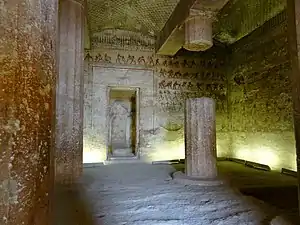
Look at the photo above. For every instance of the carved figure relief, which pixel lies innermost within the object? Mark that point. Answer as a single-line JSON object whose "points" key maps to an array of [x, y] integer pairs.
{"points": [[88, 57], [120, 59], [168, 67], [119, 125], [141, 60], [107, 59], [181, 78], [131, 59], [150, 61]]}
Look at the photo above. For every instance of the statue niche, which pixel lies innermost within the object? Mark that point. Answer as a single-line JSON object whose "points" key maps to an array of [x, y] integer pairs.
{"points": [[121, 127]]}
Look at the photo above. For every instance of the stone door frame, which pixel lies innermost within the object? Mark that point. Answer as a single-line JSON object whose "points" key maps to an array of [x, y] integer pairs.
{"points": [[137, 135]]}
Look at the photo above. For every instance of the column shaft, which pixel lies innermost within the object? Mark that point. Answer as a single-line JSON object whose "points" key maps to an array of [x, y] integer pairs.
{"points": [[200, 135], [69, 100], [293, 10], [27, 88]]}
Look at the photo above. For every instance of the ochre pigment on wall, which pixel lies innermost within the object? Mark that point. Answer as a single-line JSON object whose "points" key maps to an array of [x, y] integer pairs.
{"points": [[260, 97], [165, 84]]}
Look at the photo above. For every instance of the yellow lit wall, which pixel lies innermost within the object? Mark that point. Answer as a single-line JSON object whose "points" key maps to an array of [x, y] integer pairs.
{"points": [[158, 149], [93, 152], [275, 150], [260, 97]]}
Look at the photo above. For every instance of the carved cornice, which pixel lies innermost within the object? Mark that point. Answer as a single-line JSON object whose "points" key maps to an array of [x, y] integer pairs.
{"points": [[118, 39]]}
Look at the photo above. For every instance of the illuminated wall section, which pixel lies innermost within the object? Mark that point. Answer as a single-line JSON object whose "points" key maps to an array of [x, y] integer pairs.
{"points": [[260, 97], [274, 149], [173, 80]]}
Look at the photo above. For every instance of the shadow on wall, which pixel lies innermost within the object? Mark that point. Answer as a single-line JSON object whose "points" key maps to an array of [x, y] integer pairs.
{"points": [[70, 206]]}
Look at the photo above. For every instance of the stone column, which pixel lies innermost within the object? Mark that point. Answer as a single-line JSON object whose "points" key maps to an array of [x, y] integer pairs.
{"points": [[27, 88], [198, 30], [293, 12], [200, 138], [70, 91]]}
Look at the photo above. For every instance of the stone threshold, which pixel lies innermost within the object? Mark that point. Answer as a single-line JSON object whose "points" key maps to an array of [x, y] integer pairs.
{"points": [[122, 159]]}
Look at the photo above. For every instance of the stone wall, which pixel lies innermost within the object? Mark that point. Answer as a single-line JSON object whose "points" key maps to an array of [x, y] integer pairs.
{"points": [[260, 97], [165, 84]]}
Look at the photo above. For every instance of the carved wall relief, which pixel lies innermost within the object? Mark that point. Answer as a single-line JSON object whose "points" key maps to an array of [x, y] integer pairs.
{"points": [[120, 125], [175, 79], [181, 78], [206, 67]]}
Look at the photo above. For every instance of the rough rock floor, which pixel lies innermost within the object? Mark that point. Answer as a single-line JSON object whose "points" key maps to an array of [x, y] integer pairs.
{"points": [[142, 194]]}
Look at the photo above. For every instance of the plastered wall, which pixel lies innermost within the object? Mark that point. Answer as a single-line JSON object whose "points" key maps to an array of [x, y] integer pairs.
{"points": [[164, 82]]}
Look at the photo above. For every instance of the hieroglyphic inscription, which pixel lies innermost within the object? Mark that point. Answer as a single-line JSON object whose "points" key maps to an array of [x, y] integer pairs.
{"points": [[178, 80], [156, 62]]}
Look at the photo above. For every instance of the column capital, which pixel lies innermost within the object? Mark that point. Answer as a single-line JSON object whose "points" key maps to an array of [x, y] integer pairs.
{"points": [[198, 29]]}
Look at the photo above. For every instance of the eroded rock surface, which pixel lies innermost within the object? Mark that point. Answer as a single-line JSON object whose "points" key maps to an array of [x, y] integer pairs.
{"points": [[144, 194]]}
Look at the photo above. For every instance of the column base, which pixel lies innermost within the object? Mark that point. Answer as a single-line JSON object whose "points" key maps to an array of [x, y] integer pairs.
{"points": [[181, 178]]}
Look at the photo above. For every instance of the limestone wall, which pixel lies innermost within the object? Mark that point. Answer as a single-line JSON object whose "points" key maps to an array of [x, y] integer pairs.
{"points": [[260, 97], [164, 82]]}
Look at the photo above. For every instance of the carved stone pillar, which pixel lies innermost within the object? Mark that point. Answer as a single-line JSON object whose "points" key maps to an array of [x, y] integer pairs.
{"points": [[200, 122], [27, 88], [69, 100], [198, 30], [293, 12], [200, 144]]}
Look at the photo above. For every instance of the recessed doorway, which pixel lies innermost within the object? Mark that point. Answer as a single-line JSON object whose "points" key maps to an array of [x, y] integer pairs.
{"points": [[123, 122]]}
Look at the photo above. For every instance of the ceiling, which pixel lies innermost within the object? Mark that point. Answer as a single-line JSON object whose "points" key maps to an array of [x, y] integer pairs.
{"points": [[240, 17], [145, 16], [237, 19]]}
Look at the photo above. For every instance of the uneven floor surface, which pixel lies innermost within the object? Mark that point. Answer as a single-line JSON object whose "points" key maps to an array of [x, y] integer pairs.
{"points": [[142, 194]]}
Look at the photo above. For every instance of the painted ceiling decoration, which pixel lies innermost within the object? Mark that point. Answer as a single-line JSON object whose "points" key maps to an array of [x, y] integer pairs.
{"points": [[145, 16], [235, 20]]}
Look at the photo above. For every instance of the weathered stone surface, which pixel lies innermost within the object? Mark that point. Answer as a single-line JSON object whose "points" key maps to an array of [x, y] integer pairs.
{"points": [[147, 196], [239, 18], [200, 138], [198, 33], [181, 178], [69, 98], [260, 100], [173, 81], [138, 15], [279, 220], [104, 79], [293, 11], [27, 86], [170, 32]]}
